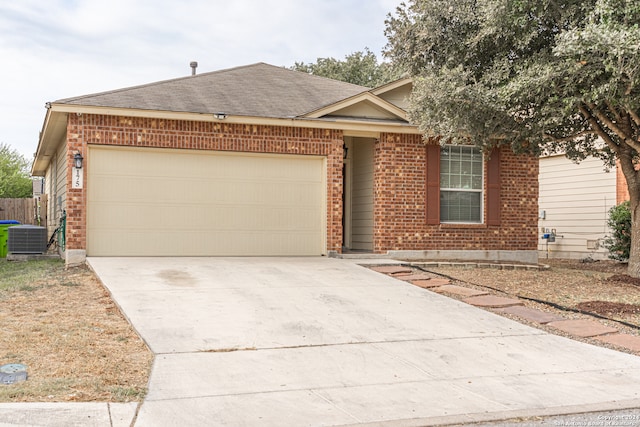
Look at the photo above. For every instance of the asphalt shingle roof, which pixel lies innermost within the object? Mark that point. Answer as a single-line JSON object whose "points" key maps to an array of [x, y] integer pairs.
{"points": [[259, 90]]}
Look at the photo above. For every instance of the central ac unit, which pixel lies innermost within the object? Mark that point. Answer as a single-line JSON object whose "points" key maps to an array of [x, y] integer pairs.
{"points": [[27, 239]]}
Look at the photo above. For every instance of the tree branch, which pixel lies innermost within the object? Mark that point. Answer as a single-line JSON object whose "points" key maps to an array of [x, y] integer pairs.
{"points": [[569, 138], [598, 129], [607, 122], [613, 110], [615, 128], [634, 116]]}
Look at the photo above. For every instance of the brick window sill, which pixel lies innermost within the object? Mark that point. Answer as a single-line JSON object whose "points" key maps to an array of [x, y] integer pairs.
{"points": [[449, 226]]}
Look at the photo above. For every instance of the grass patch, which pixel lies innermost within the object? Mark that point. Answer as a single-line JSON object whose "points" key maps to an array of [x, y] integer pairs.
{"points": [[128, 394], [70, 284], [28, 275], [43, 389], [62, 324]]}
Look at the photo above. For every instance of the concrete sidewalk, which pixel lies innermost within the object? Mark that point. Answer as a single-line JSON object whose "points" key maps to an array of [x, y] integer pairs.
{"points": [[326, 342], [67, 414]]}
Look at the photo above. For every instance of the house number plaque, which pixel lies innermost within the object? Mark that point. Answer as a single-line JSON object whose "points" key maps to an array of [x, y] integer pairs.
{"points": [[76, 178]]}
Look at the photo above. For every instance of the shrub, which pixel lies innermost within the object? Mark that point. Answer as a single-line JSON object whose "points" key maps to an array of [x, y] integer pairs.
{"points": [[619, 243]]}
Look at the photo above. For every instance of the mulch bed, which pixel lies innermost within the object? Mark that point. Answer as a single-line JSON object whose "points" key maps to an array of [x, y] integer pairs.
{"points": [[623, 278], [608, 308]]}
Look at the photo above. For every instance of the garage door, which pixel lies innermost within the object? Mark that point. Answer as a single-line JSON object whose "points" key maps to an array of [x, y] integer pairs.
{"points": [[148, 202]]}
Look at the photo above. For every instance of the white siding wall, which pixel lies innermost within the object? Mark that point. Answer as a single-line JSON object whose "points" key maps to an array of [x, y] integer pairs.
{"points": [[362, 195], [56, 186], [61, 182], [575, 199]]}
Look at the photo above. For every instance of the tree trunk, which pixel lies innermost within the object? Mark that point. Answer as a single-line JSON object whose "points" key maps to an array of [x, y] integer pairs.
{"points": [[633, 269], [632, 177], [622, 138]]}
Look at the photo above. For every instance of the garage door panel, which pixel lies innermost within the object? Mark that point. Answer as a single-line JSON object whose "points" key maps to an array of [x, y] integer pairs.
{"points": [[162, 190], [145, 202], [137, 217], [172, 243]]}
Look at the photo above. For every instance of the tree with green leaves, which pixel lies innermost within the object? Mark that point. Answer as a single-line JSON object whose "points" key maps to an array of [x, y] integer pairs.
{"points": [[537, 75], [360, 68], [14, 174], [619, 242]]}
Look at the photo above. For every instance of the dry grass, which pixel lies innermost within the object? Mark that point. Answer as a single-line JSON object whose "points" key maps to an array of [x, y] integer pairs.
{"points": [[76, 344]]}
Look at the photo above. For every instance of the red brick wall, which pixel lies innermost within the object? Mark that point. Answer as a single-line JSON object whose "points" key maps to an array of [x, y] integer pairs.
{"points": [[622, 191], [400, 203], [76, 199], [162, 133], [399, 179]]}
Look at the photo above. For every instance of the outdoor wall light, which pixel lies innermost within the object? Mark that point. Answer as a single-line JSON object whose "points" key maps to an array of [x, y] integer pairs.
{"points": [[77, 160], [220, 116], [345, 151]]}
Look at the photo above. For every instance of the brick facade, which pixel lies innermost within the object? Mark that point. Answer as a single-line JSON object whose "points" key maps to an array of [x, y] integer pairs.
{"points": [[88, 129], [400, 221], [399, 179]]}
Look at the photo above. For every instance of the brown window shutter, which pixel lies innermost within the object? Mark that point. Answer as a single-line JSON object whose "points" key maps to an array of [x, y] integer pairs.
{"points": [[433, 184], [493, 188]]}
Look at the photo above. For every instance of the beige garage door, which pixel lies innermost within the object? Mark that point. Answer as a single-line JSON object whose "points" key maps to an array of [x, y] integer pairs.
{"points": [[150, 202]]}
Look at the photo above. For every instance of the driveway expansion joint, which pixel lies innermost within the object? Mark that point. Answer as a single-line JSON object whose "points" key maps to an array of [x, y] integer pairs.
{"points": [[354, 343]]}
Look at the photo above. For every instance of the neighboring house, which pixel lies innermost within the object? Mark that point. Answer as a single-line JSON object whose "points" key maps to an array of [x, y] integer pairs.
{"points": [[574, 201], [264, 161]]}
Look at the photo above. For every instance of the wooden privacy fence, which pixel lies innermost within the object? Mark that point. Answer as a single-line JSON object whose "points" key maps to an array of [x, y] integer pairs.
{"points": [[27, 211]]}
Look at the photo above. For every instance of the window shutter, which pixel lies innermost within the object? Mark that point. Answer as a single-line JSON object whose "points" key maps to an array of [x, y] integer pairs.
{"points": [[433, 184], [493, 188]]}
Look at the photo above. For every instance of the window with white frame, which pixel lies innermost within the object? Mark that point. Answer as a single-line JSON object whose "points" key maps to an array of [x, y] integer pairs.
{"points": [[461, 184]]}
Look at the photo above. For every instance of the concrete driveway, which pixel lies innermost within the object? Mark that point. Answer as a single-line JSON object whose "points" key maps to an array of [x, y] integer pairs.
{"points": [[327, 342]]}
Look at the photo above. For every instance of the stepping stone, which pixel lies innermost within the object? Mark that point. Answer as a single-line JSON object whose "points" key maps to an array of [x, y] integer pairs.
{"points": [[430, 283], [631, 342], [582, 327], [459, 290], [530, 314], [492, 301], [416, 276], [392, 269]]}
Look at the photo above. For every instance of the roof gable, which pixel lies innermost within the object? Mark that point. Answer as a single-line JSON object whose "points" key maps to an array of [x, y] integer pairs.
{"points": [[396, 92], [364, 105]]}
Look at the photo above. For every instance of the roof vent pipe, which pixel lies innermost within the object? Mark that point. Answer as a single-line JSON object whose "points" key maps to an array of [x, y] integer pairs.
{"points": [[193, 65]]}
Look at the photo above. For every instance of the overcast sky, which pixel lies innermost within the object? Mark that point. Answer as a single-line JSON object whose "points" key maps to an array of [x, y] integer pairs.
{"points": [[55, 49]]}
